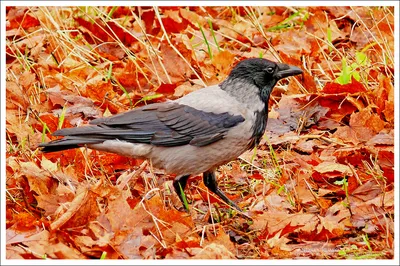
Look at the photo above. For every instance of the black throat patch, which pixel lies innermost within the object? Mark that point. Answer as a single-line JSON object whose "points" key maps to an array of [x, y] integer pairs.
{"points": [[258, 128]]}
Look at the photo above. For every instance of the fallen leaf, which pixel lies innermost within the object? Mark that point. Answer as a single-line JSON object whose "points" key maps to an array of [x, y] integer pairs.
{"points": [[214, 251], [97, 89], [367, 191], [334, 220], [335, 88], [80, 199], [39, 180], [327, 167]]}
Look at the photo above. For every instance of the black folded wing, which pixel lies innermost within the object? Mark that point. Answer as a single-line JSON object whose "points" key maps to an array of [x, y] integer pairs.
{"points": [[162, 124]]}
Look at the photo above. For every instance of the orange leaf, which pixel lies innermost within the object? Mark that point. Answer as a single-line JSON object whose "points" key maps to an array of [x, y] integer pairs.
{"points": [[97, 89]]}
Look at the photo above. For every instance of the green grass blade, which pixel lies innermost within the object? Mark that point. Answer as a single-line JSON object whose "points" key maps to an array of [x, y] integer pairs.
{"points": [[206, 42]]}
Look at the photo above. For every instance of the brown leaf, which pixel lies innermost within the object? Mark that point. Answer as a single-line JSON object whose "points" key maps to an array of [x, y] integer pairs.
{"points": [[180, 223], [272, 202], [27, 79], [293, 43], [280, 220], [334, 219], [306, 146], [214, 251], [362, 127], [312, 249], [303, 193], [36, 242], [16, 127], [14, 252], [295, 112], [177, 69], [368, 119], [192, 17], [62, 251], [80, 199], [331, 167], [185, 88], [367, 191], [16, 97], [279, 246], [39, 180], [368, 214], [356, 102], [221, 238], [52, 202], [382, 138], [122, 218]]}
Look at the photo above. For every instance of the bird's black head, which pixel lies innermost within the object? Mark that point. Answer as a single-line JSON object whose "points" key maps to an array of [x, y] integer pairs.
{"points": [[262, 73]]}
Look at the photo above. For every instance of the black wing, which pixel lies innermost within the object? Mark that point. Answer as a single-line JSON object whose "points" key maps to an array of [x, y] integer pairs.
{"points": [[162, 124]]}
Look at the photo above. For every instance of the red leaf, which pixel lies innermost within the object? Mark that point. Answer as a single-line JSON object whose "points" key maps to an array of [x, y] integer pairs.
{"points": [[166, 88], [172, 26], [22, 20], [386, 162], [148, 17], [94, 29], [122, 34], [256, 175], [353, 87]]}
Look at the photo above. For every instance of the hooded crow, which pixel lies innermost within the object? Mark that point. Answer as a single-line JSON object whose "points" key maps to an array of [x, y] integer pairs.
{"points": [[193, 134]]}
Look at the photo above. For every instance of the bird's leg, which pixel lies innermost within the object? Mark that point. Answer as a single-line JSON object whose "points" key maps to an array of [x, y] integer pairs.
{"points": [[179, 186], [211, 183]]}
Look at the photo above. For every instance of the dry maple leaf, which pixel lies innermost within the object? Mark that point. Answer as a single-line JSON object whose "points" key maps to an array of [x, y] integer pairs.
{"points": [[334, 220], [214, 251]]}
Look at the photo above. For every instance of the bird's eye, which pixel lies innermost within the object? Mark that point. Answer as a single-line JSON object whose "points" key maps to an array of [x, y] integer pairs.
{"points": [[270, 70]]}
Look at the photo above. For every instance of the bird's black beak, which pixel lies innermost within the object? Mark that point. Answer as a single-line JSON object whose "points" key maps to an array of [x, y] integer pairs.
{"points": [[285, 70]]}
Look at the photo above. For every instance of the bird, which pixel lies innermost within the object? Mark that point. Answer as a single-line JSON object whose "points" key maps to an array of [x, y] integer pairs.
{"points": [[191, 135]]}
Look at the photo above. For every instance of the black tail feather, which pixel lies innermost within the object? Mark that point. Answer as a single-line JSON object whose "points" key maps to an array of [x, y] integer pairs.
{"points": [[58, 148], [67, 143]]}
